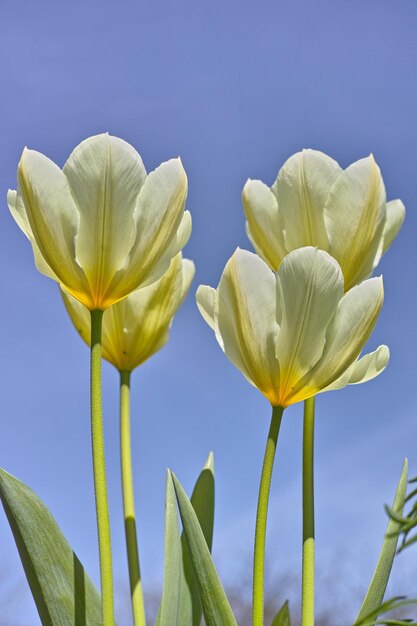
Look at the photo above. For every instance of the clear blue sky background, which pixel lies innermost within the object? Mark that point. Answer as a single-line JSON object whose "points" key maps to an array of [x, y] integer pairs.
{"points": [[234, 88]]}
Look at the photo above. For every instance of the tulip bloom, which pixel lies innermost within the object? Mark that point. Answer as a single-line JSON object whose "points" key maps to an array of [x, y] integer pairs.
{"points": [[138, 326], [101, 227], [314, 202], [295, 333], [133, 330]]}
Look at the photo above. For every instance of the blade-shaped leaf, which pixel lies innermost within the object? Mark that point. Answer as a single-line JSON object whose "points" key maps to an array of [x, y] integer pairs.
{"points": [[202, 500], [63, 593], [375, 595], [388, 606], [216, 608], [173, 576], [282, 618], [184, 609]]}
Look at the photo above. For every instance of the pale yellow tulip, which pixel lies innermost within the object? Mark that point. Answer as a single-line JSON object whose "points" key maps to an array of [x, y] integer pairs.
{"points": [[314, 202], [101, 227], [138, 326], [295, 333]]}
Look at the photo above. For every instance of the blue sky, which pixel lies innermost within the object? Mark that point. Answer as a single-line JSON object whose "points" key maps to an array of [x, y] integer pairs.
{"points": [[234, 88]]}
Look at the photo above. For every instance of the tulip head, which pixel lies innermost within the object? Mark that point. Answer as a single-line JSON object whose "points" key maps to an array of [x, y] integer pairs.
{"points": [[101, 226], [313, 202], [138, 326], [295, 333]]}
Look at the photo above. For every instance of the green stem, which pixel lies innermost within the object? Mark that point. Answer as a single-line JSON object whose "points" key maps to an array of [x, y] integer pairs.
{"points": [[99, 468], [261, 518], [307, 590], [136, 591]]}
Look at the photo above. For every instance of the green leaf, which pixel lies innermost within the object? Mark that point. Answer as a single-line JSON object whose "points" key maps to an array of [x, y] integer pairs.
{"points": [[63, 593], [388, 606], [282, 618], [375, 595], [216, 608], [180, 605], [173, 576], [202, 500]]}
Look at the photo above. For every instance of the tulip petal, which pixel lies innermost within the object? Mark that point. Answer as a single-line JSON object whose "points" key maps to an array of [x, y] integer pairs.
{"points": [[301, 190], [105, 175], [158, 215], [188, 273], [138, 326], [245, 319], [309, 289], [394, 219], [206, 302], [354, 219], [179, 240], [52, 215], [147, 316], [348, 332], [264, 223], [18, 211], [362, 370]]}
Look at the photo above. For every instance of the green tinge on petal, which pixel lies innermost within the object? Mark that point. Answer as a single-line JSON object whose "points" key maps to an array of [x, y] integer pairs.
{"points": [[264, 224], [149, 312], [105, 175], [52, 216], [158, 215], [206, 302], [137, 327], [309, 289], [18, 211], [179, 240], [188, 273], [363, 370], [245, 319], [348, 331], [301, 189], [394, 219], [354, 219]]}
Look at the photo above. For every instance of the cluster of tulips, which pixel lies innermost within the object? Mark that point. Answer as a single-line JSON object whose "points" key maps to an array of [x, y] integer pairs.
{"points": [[294, 317]]}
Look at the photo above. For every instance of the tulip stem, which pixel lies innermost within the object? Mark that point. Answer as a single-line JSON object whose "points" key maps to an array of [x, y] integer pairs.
{"points": [[307, 590], [261, 519], [136, 591], [99, 468]]}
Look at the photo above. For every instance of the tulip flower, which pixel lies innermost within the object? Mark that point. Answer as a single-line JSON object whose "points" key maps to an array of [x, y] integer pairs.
{"points": [[293, 334], [138, 326], [314, 202], [101, 227], [296, 333], [133, 330]]}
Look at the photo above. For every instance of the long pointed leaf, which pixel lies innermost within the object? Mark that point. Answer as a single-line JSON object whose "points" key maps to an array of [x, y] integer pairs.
{"points": [[375, 595], [63, 593], [168, 614], [202, 500], [216, 608], [282, 618], [184, 609]]}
